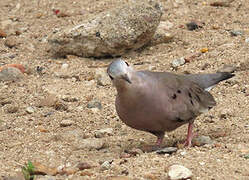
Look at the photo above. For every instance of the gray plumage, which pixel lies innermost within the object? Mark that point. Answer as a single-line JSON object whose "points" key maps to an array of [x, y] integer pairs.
{"points": [[161, 101]]}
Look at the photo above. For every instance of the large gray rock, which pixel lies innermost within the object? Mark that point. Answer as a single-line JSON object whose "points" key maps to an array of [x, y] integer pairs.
{"points": [[110, 33]]}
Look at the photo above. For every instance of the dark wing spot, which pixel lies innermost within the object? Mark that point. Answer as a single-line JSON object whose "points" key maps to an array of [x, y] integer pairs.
{"points": [[179, 119], [111, 77], [174, 96], [179, 91], [191, 102], [189, 94], [198, 97]]}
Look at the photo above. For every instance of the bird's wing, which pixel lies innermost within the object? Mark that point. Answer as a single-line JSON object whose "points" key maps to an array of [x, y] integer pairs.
{"points": [[185, 98]]}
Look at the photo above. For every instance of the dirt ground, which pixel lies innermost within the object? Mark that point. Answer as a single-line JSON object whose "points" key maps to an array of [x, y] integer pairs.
{"points": [[38, 136]]}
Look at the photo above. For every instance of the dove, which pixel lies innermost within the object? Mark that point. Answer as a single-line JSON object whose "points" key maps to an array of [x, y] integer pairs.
{"points": [[159, 102]]}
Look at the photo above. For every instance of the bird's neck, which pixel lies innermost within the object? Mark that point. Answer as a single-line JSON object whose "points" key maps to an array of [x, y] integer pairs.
{"points": [[121, 86]]}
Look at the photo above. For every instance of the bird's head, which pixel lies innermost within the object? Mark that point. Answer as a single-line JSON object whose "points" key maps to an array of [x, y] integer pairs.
{"points": [[119, 70]]}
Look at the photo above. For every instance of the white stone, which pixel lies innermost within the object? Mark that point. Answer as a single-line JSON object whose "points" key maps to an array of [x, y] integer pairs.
{"points": [[247, 40], [177, 172], [30, 110], [102, 132], [105, 165], [178, 62], [64, 66]]}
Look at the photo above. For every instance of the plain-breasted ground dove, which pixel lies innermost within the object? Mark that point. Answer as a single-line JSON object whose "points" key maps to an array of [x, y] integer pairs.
{"points": [[156, 102]]}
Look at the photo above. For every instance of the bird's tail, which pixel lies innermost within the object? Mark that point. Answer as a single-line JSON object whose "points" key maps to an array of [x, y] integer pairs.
{"points": [[207, 81]]}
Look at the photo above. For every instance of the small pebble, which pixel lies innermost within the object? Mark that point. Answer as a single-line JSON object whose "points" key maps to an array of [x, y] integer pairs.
{"points": [[94, 110], [11, 42], [10, 74], [40, 70], [49, 100], [221, 3], [84, 165], [167, 150], [247, 40], [134, 151], [179, 172], [246, 156], [89, 143], [65, 123], [103, 132], [11, 108], [125, 155], [86, 173], [202, 163], [2, 34], [42, 129], [17, 66], [94, 104], [64, 66], [183, 153], [193, 26], [105, 165], [44, 169], [236, 33], [70, 99], [192, 56], [204, 50], [178, 62], [202, 140], [30, 110]]}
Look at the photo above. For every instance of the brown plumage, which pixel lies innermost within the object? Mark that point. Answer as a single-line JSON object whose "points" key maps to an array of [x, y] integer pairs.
{"points": [[156, 102]]}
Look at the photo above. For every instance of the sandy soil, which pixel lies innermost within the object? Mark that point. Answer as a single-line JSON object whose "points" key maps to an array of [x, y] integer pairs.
{"points": [[39, 136]]}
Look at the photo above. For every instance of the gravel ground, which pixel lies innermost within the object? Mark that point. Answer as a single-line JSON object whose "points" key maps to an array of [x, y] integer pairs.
{"points": [[56, 133]]}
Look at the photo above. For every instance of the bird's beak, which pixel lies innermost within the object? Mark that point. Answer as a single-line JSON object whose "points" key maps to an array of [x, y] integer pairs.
{"points": [[125, 77]]}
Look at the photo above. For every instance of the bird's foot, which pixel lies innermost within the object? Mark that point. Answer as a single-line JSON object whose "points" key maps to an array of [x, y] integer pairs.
{"points": [[188, 141]]}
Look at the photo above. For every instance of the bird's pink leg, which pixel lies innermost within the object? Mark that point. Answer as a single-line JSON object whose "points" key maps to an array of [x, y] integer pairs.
{"points": [[190, 134], [159, 141], [157, 146]]}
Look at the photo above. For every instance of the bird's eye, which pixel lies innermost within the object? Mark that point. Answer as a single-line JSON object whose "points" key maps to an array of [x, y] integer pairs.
{"points": [[127, 63]]}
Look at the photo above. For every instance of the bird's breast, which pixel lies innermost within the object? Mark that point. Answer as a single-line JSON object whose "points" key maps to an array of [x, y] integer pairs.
{"points": [[143, 110]]}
